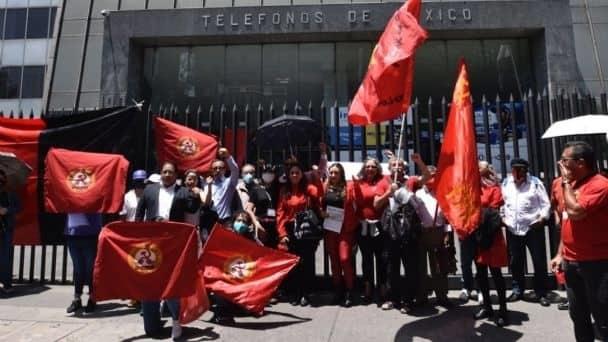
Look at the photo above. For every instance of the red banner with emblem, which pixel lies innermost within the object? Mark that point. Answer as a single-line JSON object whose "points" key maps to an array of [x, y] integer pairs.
{"points": [[188, 148], [146, 261], [84, 182], [244, 273], [458, 183]]}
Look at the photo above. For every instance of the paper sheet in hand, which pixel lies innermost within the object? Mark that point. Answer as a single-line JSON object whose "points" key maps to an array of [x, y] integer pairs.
{"points": [[334, 220]]}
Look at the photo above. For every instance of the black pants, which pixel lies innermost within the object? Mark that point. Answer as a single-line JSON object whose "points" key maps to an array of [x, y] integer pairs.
{"points": [[301, 280], [371, 248], [587, 289], [395, 254], [484, 285], [535, 241], [468, 250]]}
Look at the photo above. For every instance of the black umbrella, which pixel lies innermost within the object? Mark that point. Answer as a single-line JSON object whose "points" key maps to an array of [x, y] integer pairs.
{"points": [[16, 170], [287, 131]]}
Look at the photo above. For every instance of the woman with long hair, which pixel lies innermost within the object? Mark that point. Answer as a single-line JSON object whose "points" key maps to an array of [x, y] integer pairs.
{"points": [[372, 192], [495, 256], [297, 195]]}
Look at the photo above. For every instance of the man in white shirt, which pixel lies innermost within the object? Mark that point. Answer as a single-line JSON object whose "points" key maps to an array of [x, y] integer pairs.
{"points": [[524, 213], [223, 188], [129, 207]]}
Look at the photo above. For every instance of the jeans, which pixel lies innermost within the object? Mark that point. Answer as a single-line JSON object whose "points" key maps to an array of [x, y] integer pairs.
{"points": [[535, 241], [6, 257], [587, 290], [394, 254], [372, 247], [151, 314], [83, 250], [484, 285], [302, 278], [431, 245], [468, 250]]}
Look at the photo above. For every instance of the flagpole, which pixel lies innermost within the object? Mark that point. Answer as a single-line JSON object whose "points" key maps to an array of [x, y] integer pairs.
{"points": [[400, 143]]}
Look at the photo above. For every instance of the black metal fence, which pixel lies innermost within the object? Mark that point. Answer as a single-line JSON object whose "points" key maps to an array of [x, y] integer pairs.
{"points": [[505, 129]]}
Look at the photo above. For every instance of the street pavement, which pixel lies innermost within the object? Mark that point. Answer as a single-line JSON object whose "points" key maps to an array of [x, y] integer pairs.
{"points": [[37, 313]]}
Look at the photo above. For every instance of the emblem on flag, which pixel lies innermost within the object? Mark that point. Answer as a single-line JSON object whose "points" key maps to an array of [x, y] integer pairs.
{"points": [[239, 267], [80, 179], [187, 147], [145, 258]]}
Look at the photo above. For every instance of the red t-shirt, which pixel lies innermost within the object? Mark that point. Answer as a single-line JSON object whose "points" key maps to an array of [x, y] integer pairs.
{"points": [[294, 201], [491, 197], [587, 239], [365, 193]]}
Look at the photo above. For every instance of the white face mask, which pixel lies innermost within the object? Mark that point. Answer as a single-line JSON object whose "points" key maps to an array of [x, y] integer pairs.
{"points": [[268, 177]]}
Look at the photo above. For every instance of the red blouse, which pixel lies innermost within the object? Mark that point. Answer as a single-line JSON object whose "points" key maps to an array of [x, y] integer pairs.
{"points": [[294, 201], [365, 192], [491, 197]]}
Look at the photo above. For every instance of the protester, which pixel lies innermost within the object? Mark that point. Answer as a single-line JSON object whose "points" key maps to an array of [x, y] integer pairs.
{"points": [[192, 183], [166, 201], [223, 188], [583, 250], [491, 246], [297, 195], [132, 197], [557, 208], [401, 232], [9, 206], [435, 244], [526, 209], [81, 234], [339, 245], [372, 192]]}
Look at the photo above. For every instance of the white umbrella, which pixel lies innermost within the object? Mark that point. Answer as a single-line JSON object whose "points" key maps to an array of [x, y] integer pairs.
{"points": [[580, 125]]}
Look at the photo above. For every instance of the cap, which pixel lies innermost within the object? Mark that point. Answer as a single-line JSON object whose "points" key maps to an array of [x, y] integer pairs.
{"points": [[154, 178], [519, 162], [139, 175]]}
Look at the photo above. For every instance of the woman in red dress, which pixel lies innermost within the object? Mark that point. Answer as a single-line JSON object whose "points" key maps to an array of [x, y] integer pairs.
{"points": [[494, 257], [296, 196]]}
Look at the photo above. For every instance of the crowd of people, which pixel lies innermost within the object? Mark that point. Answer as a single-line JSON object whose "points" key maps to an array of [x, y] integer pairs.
{"points": [[393, 220]]}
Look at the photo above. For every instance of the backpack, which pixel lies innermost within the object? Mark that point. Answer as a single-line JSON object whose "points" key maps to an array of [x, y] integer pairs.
{"points": [[401, 223]]}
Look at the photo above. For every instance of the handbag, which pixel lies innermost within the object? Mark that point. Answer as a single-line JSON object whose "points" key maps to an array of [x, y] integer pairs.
{"points": [[307, 225]]}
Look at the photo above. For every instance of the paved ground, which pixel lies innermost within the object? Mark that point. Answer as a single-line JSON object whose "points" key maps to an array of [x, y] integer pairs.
{"points": [[38, 314]]}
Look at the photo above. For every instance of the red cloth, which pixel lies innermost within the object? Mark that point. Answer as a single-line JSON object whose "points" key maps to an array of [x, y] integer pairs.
{"points": [[340, 250], [458, 183], [294, 201], [192, 307], [586, 239], [351, 221], [240, 150], [491, 197], [188, 148], [386, 89], [557, 196], [21, 137], [496, 255], [245, 273], [365, 192], [146, 261], [83, 182]]}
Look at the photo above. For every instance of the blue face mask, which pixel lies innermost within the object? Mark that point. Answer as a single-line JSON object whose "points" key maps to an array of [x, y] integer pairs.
{"points": [[240, 227], [248, 178]]}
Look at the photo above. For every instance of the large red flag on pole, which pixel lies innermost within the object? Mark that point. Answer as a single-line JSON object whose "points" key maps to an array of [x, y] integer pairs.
{"points": [[188, 148], [242, 271], [458, 182], [387, 87]]}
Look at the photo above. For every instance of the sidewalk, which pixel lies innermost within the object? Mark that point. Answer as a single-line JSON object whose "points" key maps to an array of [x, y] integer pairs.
{"points": [[37, 313]]}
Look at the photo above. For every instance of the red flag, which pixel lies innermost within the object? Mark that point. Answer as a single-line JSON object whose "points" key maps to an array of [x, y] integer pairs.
{"points": [[145, 261], [458, 182], [387, 87], [20, 137], [188, 148], [192, 307], [84, 182], [242, 271]]}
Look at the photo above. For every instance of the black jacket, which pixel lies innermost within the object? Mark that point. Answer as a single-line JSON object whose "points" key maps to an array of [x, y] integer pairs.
{"points": [[183, 201]]}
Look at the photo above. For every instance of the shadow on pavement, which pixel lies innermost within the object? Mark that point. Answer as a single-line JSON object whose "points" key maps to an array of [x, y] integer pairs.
{"points": [[110, 310], [25, 290], [270, 325], [458, 324], [188, 334]]}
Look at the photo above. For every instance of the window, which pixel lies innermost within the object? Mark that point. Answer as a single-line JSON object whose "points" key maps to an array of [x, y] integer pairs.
{"points": [[52, 22], [15, 23], [10, 80], [2, 22], [38, 22], [33, 82]]}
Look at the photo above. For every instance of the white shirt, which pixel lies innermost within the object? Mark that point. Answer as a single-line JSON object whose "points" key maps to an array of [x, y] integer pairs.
{"points": [[524, 205], [165, 200], [426, 207], [129, 206]]}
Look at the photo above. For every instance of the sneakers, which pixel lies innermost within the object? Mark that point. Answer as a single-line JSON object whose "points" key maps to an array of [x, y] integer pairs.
{"points": [[348, 300], [480, 298], [464, 296], [544, 301], [473, 295], [304, 301], [387, 306], [176, 330], [76, 305]]}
